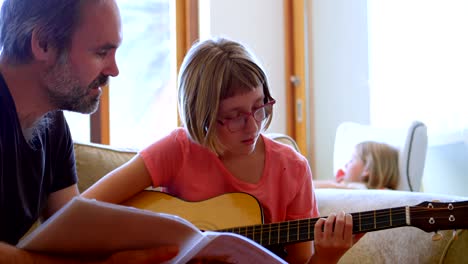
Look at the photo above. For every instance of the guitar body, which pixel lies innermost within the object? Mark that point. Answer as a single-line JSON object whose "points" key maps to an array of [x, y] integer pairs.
{"points": [[221, 212]]}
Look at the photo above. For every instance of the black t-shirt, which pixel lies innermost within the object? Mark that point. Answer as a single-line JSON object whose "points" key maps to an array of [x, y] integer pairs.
{"points": [[29, 172]]}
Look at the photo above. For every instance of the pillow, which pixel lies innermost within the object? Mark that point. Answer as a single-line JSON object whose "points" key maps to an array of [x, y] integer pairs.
{"points": [[93, 161]]}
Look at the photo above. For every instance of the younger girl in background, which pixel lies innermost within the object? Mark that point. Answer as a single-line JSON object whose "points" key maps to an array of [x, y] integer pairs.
{"points": [[373, 165]]}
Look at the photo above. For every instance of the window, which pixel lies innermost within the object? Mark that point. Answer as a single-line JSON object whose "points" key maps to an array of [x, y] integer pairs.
{"points": [[143, 98], [418, 65]]}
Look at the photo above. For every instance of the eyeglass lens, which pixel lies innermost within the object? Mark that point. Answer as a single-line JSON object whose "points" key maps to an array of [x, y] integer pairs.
{"points": [[259, 115]]}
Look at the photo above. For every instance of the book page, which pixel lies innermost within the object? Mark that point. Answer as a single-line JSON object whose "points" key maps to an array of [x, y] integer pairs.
{"points": [[232, 248], [87, 227]]}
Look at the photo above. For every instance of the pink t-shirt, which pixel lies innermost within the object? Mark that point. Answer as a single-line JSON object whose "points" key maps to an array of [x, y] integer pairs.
{"points": [[194, 173]]}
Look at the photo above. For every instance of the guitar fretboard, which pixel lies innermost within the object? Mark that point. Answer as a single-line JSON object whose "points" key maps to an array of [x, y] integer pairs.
{"points": [[303, 229]]}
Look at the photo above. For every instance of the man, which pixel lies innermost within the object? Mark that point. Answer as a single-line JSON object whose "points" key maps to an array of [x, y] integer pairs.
{"points": [[56, 54]]}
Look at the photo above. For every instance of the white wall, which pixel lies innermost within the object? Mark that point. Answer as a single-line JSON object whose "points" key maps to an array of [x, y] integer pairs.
{"points": [[259, 25], [339, 72], [446, 168]]}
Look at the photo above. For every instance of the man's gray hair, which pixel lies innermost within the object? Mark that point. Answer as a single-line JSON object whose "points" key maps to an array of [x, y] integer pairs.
{"points": [[54, 21]]}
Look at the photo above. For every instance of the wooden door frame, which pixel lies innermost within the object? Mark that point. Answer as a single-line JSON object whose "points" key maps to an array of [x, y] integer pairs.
{"points": [[289, 68], [298, 87], [299, 90]]}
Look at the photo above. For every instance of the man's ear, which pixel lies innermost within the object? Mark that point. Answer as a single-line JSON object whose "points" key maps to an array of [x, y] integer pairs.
{"points": [[41, 50]]}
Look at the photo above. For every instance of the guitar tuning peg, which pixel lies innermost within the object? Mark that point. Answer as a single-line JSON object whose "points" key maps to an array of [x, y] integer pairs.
{"points": [[435, 201], [454, 234], [437, 236]]}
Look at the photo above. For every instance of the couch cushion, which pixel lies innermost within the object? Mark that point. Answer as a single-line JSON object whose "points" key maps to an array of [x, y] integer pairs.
{"points": [[397, 245], [285, 139], [96, 160]]}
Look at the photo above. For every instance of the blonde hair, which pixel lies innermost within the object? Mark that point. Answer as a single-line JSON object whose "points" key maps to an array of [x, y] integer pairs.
{"points": [[214, 70], [381, 162]]}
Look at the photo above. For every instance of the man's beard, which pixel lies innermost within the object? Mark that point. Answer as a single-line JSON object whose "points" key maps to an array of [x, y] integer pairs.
{"points": [[65, 91]]}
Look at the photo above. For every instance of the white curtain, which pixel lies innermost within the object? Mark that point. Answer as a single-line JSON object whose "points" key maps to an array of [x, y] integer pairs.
{"points": [[418, 65]]}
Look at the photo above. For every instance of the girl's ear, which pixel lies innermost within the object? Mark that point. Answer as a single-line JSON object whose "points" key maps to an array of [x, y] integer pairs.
{"points": [[365, 176], [365, 172], [41, 50]]}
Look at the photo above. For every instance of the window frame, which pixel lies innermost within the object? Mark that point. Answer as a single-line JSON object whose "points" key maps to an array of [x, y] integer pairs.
{"points": [[187, 32]]}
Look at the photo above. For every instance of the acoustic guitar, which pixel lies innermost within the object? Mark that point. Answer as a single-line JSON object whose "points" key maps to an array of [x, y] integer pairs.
{"points": [[241, 213]]}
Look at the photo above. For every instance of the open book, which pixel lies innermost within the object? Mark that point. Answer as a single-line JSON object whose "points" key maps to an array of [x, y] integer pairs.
{"points": [[86, 227]]}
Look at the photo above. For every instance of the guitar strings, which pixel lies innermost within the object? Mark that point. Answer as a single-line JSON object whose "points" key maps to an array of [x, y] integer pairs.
{"points": [[370, 215], [364, 217], [385, 212], [305, 227], [398, 216]]}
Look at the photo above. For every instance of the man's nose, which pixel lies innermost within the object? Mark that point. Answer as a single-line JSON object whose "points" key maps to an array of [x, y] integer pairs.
{"points": [[112, 69]]}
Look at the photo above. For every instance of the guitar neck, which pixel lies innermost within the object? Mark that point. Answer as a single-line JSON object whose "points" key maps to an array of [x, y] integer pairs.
{"points": [[427, 216], [303, 229]]}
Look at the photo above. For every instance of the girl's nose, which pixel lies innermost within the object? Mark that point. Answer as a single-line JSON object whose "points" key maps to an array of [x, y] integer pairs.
{"points": [[251, 124]]}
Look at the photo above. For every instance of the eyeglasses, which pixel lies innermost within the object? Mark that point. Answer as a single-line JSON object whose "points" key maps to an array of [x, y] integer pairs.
{"points": [[238, 123]]}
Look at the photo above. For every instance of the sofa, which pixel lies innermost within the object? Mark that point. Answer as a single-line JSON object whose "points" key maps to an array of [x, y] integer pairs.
{"points": [[396, 245]]}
